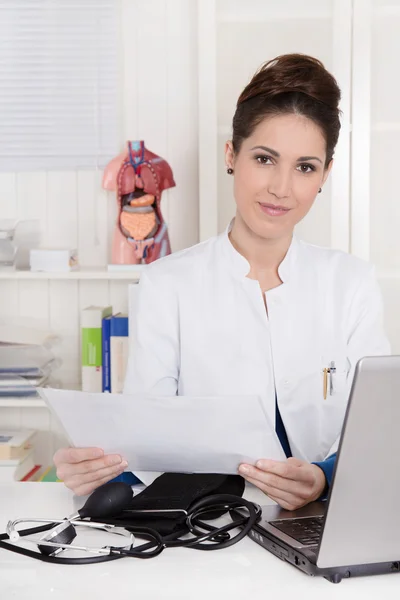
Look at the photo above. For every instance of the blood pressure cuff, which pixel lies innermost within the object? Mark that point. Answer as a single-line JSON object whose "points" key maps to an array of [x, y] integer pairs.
{"points": [[164, 504]]}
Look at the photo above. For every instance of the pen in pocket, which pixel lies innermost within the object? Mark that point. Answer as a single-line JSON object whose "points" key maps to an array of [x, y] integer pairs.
{"points": [[328, 374]]}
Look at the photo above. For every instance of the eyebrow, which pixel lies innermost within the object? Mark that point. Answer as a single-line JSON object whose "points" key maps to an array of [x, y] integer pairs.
{"points": [[277, 155]]}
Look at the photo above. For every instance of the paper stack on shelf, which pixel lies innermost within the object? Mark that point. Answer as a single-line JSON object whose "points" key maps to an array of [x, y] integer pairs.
{"points": [[27, 358], [17, 461]]}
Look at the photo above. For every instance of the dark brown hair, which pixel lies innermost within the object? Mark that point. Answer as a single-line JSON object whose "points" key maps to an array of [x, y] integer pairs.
{"points": [[291, 83]]}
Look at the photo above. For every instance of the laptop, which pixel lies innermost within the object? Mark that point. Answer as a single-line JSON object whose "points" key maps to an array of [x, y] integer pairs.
{"points": [[357, 530]]}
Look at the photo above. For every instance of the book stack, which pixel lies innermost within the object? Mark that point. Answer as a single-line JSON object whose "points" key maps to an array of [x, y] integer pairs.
{"points": [[49, 475], [105, 345], [17, 456], [27, 358]]}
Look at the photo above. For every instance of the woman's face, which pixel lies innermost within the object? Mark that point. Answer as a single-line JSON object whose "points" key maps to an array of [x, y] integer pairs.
{"points": [[277, 174]]}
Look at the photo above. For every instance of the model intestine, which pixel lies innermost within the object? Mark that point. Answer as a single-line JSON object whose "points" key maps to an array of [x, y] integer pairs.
{"points": [[139, 177]]}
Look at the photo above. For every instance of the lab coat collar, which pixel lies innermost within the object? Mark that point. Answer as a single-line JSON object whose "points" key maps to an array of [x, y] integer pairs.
{"points": [[241, 267]]}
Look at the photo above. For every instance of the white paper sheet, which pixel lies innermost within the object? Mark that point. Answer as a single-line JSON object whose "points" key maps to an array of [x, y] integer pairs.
{"points": [[168, 434]]}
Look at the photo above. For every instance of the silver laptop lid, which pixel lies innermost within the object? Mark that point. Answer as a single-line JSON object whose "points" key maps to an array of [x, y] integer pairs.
{"points": [[362, 524]]}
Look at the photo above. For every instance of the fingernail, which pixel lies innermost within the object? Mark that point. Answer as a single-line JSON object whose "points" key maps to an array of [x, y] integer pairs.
{"points": [[244, 469], [116, 460], [124, 464]]}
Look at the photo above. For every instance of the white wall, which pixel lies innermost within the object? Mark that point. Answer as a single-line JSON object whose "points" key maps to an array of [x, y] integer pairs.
{"points": [[158, 103]]}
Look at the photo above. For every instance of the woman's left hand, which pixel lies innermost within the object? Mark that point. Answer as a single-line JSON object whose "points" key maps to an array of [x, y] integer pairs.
{"points": [[292, 483]]}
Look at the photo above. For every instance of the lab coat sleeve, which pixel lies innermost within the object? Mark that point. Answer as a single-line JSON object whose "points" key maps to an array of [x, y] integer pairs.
{"points": [[327, 466], [366, 335], [153, 363]]}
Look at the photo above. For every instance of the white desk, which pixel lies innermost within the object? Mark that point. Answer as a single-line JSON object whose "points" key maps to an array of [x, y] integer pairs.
{"points": [[243, 571]]}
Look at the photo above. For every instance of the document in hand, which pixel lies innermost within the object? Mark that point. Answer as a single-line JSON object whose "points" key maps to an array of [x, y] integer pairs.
{"points": [[168, 434]]}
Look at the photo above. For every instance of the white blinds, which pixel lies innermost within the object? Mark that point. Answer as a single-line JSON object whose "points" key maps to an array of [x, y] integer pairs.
{"points": [[58, 83]]}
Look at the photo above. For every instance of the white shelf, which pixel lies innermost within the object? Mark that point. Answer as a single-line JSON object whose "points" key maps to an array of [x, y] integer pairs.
{"points": [[133, 276], [21, 402], [80, 274]]}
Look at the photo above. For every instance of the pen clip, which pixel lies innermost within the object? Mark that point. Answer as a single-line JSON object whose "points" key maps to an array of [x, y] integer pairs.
{"points": [[332, 370], [328, 372]]}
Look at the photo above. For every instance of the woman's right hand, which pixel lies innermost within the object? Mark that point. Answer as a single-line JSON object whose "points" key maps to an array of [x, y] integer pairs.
{"points": [[85, 469]]}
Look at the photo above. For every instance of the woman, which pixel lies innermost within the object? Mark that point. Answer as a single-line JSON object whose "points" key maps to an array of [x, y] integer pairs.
{"points": [[254, 310]]}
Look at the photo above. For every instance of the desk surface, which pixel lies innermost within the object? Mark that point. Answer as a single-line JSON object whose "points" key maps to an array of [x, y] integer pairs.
{"points": [[242, 571]]}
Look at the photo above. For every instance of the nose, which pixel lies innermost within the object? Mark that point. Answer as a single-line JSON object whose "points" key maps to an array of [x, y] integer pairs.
{"points": [[280, 184]]}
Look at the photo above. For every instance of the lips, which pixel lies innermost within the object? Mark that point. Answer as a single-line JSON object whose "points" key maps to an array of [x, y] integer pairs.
{"points": [[274, 210]]}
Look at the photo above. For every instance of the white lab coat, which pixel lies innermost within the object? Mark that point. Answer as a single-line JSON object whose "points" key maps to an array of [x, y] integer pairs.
{"points": [[200, 328]]}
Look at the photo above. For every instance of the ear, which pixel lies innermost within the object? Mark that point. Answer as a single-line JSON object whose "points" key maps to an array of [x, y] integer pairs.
{"points": [[229, 154], [327, 171]]}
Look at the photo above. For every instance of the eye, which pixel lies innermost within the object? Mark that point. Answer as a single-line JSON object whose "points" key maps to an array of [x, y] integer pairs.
{"points": [[263, 159], [306, 168]]}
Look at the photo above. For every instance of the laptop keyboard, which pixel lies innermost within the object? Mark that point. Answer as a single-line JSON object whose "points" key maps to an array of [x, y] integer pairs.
{"points": [[307, 530]]}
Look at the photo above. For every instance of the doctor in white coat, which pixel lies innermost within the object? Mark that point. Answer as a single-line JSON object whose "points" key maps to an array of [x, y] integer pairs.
{"points": [[255, 310]]}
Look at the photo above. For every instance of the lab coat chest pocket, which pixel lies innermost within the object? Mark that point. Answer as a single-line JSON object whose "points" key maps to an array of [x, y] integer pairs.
{"points": [[320, 398], [335, 375], [323, 376]]}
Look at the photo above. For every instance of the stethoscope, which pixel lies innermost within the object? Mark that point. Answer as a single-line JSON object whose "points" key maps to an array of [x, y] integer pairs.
{"points": [[111, 499], [61, 536]]}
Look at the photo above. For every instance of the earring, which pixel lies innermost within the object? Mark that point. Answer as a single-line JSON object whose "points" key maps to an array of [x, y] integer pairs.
{"points": [[320, 190], [229, 171]]}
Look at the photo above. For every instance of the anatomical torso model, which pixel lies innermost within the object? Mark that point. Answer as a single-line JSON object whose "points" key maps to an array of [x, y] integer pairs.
{"points": [[139, 177]]}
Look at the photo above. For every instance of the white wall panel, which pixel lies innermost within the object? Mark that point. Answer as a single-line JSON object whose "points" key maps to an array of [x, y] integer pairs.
{"points": [[93, 293], [64, 319], [118, 296], [92, 219], [361, 129], [33, 300], [181, 120], [31, 192], [9, 298], [62, 213], [39, 419], [8, 196], [391, 297]]}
